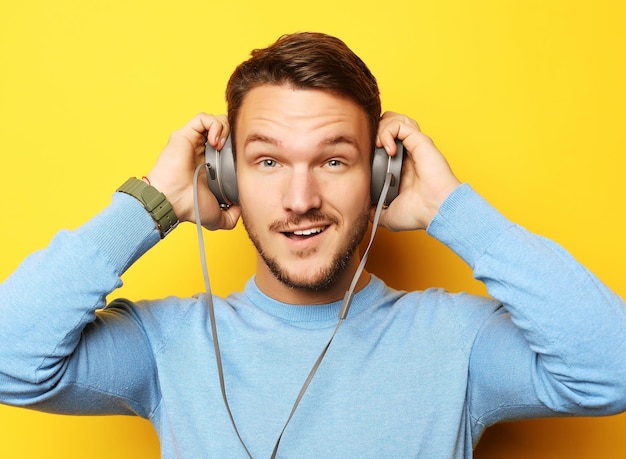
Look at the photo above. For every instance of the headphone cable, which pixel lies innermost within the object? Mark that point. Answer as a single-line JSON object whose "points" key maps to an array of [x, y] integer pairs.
{"points": [[343, 311]]}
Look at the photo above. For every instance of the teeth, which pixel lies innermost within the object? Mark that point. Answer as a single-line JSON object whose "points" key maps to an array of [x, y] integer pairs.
{"points": [[308, 232]]}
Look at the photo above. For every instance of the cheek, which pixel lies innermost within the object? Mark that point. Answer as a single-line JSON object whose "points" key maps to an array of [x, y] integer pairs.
{"points": [[251, 192], [352, 195], [258, 205], [351, 192]]}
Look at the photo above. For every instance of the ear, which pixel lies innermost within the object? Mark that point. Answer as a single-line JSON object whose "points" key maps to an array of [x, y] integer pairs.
{"points": [[381, 164], [221, 174]]}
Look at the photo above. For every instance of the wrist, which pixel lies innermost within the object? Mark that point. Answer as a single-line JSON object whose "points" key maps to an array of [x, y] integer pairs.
{"points": [[155, 203], [440, 196]]}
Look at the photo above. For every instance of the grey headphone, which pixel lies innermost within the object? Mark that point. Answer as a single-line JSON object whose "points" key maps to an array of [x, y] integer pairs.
{"points": [[222, 176]]}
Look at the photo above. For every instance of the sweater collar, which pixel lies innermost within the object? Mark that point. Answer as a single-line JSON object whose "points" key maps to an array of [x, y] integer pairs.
{"points": [[313, 313]]}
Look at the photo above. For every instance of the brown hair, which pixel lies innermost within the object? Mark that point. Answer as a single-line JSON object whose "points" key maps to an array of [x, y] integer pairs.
{"points": [[307, 60]]}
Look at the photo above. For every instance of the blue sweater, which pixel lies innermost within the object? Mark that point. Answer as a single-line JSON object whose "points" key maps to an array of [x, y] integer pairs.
{"points": [[409, 374]]}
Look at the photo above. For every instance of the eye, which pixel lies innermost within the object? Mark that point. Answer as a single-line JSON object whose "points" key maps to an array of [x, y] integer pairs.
{"points": [[269, 163], [334, 163]]}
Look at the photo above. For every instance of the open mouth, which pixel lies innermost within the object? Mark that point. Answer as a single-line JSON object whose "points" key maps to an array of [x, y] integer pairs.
{"points": [[305, 234]]}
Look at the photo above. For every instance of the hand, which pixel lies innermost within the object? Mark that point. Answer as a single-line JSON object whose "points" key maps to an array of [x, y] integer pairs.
{"points": [[426, 181], [173, 172]]}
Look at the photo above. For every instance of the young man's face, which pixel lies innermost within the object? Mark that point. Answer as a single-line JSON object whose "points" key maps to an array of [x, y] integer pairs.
{"points": [[303, 168]]}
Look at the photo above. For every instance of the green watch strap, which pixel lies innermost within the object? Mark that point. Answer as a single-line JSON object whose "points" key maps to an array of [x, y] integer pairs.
{"points": [[154, 202]]}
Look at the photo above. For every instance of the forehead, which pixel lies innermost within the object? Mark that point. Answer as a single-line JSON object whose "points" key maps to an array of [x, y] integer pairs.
{"points": [[284, 111]]}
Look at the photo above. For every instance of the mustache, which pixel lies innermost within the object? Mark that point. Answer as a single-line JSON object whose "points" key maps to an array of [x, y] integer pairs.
{"points": [[312, 216]]}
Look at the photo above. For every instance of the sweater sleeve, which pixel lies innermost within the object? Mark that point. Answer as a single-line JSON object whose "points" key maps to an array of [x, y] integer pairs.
{"points": [[56, 354], [558, 345]]}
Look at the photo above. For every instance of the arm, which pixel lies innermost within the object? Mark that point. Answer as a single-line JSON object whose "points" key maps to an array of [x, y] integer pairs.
{"points": [[560, 345], [51, 299], [55, 344]]}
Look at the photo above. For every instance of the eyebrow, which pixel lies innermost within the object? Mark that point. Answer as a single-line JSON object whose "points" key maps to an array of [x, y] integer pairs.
{"points": [[340, 139], [262, 139]]}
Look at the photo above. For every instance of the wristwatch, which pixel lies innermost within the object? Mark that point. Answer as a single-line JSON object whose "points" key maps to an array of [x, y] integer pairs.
{"points": [[154, 202]]}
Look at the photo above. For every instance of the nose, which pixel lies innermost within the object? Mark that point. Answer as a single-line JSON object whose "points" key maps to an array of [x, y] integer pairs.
{"points": [[302, 191]]}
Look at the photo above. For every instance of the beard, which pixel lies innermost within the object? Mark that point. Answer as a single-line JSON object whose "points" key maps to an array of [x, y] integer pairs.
{"points": [[327, 275]]}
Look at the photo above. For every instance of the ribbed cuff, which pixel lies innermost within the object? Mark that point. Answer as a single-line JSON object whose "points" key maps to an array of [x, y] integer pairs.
{"points": [[123, 231], [467, 224]]}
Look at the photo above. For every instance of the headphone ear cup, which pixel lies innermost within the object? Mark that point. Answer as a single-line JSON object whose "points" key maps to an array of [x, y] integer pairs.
{"points": [[381, 162], [221, 173]]}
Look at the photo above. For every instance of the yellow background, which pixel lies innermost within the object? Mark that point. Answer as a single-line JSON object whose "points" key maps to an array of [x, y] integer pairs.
{"points": [[526, 98]]}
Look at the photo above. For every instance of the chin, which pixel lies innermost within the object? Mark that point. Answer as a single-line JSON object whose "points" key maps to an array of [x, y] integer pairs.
{"points": [[322, 279], [312, 283]]}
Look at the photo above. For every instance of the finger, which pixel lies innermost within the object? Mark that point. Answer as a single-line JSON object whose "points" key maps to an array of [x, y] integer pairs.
{"points": [[396, 126], [224, 219], [231, 216], [218, 131], [389, 130], [213, 128]]}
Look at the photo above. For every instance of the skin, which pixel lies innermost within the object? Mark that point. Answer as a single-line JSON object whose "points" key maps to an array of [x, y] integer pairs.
{"points": [[303, 166]]}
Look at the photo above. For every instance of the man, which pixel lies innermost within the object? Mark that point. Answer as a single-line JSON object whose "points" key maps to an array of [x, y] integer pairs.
{"points": [[419, 374]]}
